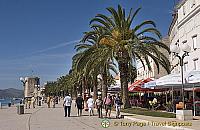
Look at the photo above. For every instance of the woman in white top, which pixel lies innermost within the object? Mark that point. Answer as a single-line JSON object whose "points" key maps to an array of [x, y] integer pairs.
{"points": [[90, 103]]}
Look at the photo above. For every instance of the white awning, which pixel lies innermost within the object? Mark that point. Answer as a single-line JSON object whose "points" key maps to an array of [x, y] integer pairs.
{"points": [[193, 77], [171, 79], [150, 84]]}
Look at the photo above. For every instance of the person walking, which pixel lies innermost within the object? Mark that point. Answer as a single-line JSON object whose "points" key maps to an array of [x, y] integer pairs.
{"points": [[67, 105], [79, 104], [118, 104], [48, 101], [33, 101], [90, 103], [54, 101], [29, 102], [99, 104], [108, 105]]}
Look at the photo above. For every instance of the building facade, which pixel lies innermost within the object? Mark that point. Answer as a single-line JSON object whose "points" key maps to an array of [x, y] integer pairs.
{"points": [[31, 86], [185, 29]]}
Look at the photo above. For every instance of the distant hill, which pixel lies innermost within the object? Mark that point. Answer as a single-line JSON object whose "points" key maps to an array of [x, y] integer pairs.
{"points": [[11, 92]]}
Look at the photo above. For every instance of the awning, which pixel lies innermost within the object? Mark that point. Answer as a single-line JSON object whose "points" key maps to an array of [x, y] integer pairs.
{"points": [[169, 80], [137, 85], [139, 89], [191, 89], [150, 84], [193, 77], [147, 80]]}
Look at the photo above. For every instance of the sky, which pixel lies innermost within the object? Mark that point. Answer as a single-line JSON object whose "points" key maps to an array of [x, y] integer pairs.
{"points": [[37, 37]]}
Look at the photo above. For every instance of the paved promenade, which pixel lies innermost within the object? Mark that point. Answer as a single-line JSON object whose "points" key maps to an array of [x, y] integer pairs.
{"points": [[43, 118]]}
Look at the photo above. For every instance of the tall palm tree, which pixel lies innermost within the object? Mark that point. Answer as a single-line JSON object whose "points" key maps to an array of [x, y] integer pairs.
{"points": [[130, 43], [95, 59]]}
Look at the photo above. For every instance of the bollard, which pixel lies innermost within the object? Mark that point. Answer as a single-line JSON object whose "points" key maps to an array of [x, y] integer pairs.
{"points": [[39, 103], [20, 109], [9, 104]]}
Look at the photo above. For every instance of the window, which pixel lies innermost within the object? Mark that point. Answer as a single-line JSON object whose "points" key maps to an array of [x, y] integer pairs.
{"points": [[177, 43], [185, 41], [194, 42], [195, 63], [193, 3], [183, 10], [185, 66]]}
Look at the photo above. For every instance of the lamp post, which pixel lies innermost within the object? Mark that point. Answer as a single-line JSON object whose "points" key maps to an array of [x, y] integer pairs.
{"points": [[176, 50], [23, 80]]}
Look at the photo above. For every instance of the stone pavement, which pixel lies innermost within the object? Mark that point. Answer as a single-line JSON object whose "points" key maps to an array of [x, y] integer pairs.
{"points": [[10, 120], [43, 118]]}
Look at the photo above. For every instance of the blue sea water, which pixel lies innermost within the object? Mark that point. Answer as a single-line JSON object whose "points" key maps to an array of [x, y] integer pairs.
{"points": [[4, 102]]}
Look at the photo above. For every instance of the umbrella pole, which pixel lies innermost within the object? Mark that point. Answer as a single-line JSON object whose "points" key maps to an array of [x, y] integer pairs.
{"points": [[193, 99], [166, 97], [172, 93], [174, 107]]}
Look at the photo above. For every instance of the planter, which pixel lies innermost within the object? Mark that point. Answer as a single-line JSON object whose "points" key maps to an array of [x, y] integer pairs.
{"points": [[184, 115]]}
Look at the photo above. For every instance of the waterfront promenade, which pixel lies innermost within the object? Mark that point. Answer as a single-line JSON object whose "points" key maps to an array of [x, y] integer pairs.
{"points": [[43, 118]]}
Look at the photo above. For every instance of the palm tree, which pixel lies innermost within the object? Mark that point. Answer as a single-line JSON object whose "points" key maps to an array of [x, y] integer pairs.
{"points": [[130, 43], [95, 59]]}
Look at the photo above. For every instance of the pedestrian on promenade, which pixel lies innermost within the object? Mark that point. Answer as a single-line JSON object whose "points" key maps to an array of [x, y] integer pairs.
{"points": [[108, 105], [99, 104], [29, 103], [33, 101], [26, 102], [79, 104], [48, 101], [67, 105], [118, 104], [90, 103], [54, 101]]}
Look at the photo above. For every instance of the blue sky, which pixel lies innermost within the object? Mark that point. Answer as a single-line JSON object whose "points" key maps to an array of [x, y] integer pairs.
{"points": [[37, 37]]}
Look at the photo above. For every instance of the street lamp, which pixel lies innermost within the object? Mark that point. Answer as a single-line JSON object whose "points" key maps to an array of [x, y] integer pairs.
{"points": [[23, 80], [37, 89], [176, 50]]}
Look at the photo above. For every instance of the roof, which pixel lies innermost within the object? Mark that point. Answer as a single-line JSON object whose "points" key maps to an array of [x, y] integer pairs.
{"points": [[180, 3], [174, 19]]}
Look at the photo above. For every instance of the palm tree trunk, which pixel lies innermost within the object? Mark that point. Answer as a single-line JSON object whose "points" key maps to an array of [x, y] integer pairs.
{"points": [[123, 68], [84, 88], [104, 85], [75, 90], [95, 88]]}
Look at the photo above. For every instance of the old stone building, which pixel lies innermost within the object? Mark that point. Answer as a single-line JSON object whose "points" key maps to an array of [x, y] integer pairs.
{"points": [[31, 86]]}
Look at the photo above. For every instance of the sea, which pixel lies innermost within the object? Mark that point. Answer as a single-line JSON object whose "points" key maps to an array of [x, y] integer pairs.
{"points": [[13, 101]]}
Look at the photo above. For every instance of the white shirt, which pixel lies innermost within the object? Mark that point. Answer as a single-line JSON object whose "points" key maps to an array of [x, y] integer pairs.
{"points": [[67, 101], [90, 102]]}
